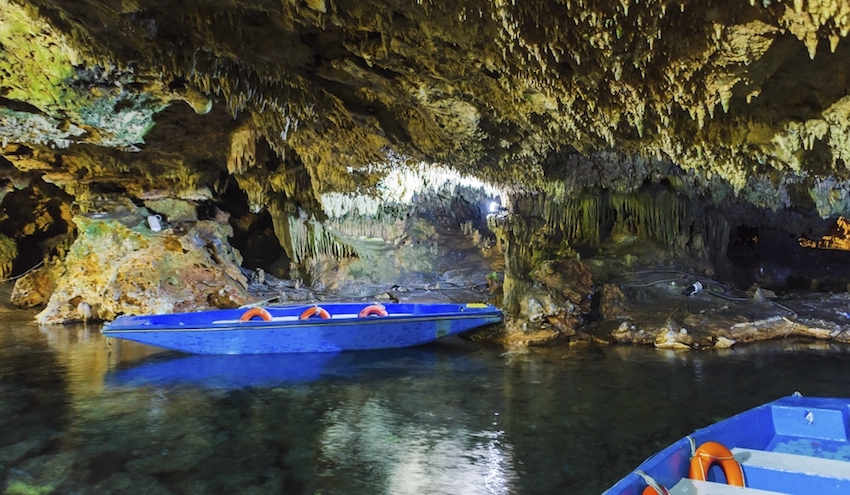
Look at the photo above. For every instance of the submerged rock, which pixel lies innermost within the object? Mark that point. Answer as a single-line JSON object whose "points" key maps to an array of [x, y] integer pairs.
{"points": [[114, 268]]}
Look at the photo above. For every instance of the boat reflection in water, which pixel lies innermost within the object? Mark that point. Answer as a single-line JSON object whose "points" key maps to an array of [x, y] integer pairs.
{"points": [[270, 370], [373, 408]]}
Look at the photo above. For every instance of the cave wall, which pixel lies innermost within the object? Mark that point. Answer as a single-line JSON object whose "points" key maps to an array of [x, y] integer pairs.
{"points": [[318, 125]]}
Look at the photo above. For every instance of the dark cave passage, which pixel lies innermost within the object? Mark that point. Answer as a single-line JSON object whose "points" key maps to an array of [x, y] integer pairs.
{"points": [[776, 261], [253, 233]]}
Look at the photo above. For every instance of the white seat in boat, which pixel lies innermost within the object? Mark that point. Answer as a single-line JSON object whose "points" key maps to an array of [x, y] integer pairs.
{"points": [[687, 486], [793, 463], [774, 461]]}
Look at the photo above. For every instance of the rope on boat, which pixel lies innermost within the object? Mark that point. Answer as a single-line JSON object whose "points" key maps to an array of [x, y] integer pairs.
{"points": [[650, 482]]}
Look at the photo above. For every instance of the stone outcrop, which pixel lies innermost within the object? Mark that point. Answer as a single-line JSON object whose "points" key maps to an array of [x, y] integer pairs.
{"points": [[552, 306], [119, 266], [838, 238], [35, 288], [715, 318], [8, 254]]}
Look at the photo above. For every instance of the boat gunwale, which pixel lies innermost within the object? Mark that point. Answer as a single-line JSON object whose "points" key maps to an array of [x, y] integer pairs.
{"points": [[108, 328]]}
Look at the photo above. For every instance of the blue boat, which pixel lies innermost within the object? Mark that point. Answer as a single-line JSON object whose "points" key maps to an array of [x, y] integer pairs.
{"points": [[329, 327], [794, 445]]}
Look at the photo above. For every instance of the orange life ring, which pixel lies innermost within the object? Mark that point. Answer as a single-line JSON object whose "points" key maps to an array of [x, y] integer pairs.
{"points": [[256, 311], [315, 310], [711, 452], [375, 309], [652, 491]]}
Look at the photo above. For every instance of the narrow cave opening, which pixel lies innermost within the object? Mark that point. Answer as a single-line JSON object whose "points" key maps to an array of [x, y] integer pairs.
{"points": [[253, 234], [36, 218]]}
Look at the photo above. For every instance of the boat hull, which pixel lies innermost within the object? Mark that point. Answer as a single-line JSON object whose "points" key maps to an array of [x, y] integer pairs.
{"points": [[222, 332], [795, 445]]}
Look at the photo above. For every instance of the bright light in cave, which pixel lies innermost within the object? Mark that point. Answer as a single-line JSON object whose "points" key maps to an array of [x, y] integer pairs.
{"points": [[399, 184]]}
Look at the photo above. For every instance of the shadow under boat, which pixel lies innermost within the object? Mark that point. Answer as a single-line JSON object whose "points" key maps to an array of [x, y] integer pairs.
{"points": [[270, 370]]}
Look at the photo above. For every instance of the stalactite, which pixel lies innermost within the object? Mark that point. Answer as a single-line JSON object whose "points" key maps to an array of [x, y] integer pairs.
{"points": [[578, 217], [243, 149], [311, 238], [381, 226], [651, 213]]}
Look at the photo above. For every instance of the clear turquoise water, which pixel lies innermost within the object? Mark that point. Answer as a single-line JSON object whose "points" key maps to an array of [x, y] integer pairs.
{"points": [[81, 415]]}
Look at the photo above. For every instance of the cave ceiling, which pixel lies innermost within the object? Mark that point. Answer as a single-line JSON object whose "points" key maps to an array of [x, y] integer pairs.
{"points": [[157, 97]]}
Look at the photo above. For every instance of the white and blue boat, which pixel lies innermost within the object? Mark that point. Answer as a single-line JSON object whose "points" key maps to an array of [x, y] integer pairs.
{"points": [[794, 445], [328, 327]]}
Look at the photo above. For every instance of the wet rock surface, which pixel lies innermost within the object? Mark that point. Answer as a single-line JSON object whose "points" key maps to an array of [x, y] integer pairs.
{"points": [[717, 317], [35, 287]]}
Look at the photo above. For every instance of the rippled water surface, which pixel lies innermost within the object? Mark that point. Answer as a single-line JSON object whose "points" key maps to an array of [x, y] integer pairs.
{"points": [[82, 415]]}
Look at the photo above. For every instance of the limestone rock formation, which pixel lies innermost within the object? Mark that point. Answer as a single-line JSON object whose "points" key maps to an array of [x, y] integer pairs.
{"points": [[118, 266], [8, 254], [356, 146], [487, 87], [552, 306], [838, 239], [35, 288]]}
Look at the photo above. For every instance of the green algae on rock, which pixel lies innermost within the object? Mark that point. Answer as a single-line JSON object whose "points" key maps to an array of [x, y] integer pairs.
{"points": [[65, 102], [113, 269]]}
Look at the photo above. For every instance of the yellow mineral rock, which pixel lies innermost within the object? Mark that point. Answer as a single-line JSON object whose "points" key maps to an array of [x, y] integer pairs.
{"points": [[839, 238], [114, 269]]}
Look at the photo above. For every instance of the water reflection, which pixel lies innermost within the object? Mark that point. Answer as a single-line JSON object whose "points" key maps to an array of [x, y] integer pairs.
{"points": [[80, 414], [411, 452], [226, 372], [87, 355]]}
